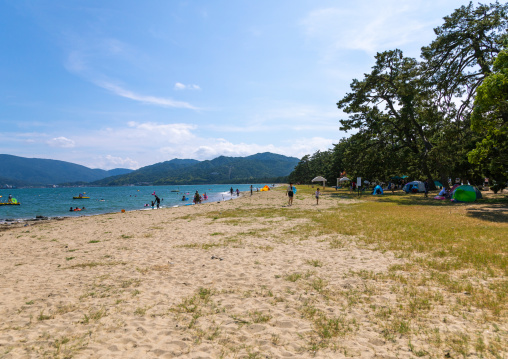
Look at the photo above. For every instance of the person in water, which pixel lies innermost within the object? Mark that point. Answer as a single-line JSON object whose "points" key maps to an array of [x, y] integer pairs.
{"points": [[183, 198], [237, 192], [158, 201], [71, 210], [197, 198]]}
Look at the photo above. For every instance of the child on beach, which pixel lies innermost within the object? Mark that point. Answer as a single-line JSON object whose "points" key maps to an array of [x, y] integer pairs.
{"points": [[289, 193], [317, 196]]}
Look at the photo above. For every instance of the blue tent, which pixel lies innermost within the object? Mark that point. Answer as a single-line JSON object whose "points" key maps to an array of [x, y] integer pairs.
{"points": [[377, 190]]}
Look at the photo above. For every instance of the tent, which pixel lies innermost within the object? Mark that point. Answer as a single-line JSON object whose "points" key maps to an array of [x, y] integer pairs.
{"points": [[415, 186], [343, 179], [438, 184], [377, 190], [466, 193], [265, 188], [319, 179]]}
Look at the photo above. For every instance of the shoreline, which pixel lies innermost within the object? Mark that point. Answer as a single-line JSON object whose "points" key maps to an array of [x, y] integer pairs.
{"points": [[8, 223], [41, 218]]}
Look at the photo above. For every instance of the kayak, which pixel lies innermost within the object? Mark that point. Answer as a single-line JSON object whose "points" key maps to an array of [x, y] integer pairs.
{"points": [[9, 204], [81, 197]]}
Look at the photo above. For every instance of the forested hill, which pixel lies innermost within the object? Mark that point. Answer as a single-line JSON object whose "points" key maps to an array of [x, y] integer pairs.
{"points": [[259, 167], [21, 171]]}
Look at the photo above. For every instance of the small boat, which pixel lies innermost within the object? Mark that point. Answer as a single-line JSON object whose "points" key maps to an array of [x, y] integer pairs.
{"points": [[81, 197], [9, 204]]}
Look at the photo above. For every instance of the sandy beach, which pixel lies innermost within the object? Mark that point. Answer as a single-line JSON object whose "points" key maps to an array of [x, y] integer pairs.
{"points": [[235, 279]]}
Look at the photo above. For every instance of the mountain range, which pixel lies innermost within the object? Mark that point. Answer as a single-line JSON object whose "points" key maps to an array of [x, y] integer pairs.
{"points": [[25, 172], [261, 167]]}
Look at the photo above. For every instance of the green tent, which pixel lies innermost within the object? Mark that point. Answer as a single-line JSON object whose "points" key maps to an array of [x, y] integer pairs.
{"points": [[466, 193]]}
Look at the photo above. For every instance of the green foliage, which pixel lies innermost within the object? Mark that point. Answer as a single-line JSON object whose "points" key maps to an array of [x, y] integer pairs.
{"points": [[490, 119]]}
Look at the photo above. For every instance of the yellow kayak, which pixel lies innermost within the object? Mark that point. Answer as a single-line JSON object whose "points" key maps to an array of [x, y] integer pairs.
{"points": [[9, 204], [81, 197]]}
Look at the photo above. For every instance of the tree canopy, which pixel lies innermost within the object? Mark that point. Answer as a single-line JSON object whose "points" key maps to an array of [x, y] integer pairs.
{"points": [[415, 117]]}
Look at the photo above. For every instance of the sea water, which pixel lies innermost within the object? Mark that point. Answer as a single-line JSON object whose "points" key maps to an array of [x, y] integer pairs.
{"points": [[56, 202]]}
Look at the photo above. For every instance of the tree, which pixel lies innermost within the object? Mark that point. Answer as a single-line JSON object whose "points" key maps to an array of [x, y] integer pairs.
{"points": [[392, 108], [302, 171], [490, 119], [462, 54]]}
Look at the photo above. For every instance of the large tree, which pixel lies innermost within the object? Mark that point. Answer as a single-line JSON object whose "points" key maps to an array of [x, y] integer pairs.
{"points": [[392, 106], [490, 119]]}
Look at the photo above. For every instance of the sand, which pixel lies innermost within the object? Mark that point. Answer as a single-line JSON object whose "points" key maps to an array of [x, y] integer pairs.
{"points": [[196, 282]]}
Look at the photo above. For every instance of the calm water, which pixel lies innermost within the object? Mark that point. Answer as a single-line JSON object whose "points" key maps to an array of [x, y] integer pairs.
{"points": [[56, 202]]}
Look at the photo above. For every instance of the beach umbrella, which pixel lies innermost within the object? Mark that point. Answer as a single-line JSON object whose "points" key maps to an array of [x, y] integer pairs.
{"points": [[344, 179], [319, 179]]}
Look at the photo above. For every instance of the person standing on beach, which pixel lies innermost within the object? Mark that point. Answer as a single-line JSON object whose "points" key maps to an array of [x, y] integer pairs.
{"points": [[426, 184], [158, 201], [251, 190], [289, 193], [231, 190], [317, 196], [237, 192]]}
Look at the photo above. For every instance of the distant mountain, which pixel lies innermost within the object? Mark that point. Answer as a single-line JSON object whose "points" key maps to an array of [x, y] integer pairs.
{"points": [[37, 171], [256, 168]]}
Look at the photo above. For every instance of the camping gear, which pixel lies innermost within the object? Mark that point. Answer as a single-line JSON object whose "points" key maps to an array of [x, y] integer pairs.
{"points": [[466, 193], [414, 187], [377, 190]]}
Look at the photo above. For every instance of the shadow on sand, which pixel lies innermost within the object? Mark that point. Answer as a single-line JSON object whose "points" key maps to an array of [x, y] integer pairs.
{"points": [[492, 209]]}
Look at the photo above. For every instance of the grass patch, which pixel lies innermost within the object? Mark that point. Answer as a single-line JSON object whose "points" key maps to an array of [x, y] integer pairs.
{"points": [[95, 264]]}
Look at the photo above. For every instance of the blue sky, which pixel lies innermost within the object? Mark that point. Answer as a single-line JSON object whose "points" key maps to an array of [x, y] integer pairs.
{"points": [[110, 84]]}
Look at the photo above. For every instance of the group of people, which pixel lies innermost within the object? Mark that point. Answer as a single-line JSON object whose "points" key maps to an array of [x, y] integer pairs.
{"points": [[198, 198], [77, 209], [290, 192]]}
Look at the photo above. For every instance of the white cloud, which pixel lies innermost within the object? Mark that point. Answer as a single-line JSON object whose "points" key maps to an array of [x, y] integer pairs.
{"points": [[110, 162], [151, 100], [173, 133], [62, 142], [180, 86], [369, 26]]}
